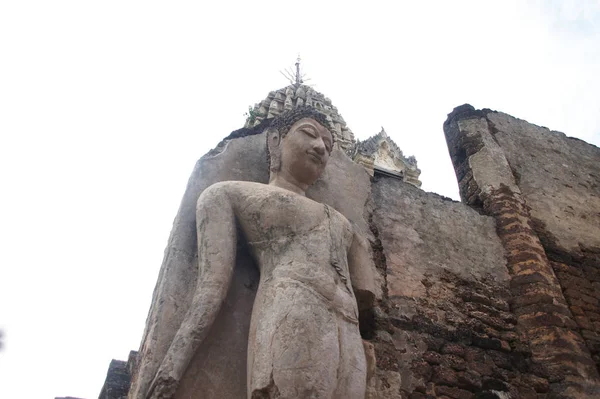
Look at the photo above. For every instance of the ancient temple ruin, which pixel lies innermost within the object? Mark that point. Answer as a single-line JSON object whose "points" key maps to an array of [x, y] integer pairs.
{"points": [[497, 296]]}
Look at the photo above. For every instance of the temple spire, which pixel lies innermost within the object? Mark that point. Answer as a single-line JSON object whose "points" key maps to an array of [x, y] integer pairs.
{"points": [[294, 77], [298, 76]]}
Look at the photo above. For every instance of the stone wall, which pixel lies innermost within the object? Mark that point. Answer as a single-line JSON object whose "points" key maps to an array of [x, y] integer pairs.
{"points": [[559, 177], [445, 328], [542, 189]]}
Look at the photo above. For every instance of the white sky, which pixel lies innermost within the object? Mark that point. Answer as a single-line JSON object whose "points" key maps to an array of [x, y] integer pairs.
{"points": [[106, 105]]}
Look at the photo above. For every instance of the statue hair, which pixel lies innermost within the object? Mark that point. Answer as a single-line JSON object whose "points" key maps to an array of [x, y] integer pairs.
{"points": [[284, 121]]}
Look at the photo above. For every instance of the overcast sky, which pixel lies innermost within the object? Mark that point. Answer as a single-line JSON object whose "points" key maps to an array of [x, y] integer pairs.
{"points": [[106, 105]]}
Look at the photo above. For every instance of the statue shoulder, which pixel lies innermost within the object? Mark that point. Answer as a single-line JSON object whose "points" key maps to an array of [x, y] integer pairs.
{"points": [[228, 188]]}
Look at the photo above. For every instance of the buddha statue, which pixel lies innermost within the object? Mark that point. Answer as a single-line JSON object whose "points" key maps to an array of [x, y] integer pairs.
{"points": [[304, 339]]}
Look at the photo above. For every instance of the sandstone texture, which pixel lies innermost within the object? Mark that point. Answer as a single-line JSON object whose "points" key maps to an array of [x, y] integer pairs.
{"points": [[558, 176], [445, 328]]}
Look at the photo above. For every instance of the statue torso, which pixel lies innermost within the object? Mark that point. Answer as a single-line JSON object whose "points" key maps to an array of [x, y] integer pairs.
{"points": [[295, 238]]}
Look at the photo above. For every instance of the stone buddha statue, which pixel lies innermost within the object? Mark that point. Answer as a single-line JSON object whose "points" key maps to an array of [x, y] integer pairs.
{"points": [[304, 339]]}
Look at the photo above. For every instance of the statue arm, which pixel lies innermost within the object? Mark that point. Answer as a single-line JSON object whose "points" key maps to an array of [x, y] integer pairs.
{"points": [[361, 272], [216, 229]]}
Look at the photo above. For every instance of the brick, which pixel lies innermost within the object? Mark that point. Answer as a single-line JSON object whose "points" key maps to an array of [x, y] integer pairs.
{"points": [[583, 322], [433, 343], [501, 359], [509, 336], [470, 296], [535, 277], [453, 392], [504, 375], [494, 384], [490, 321], [490, 343], [444, 375], [580, 294], [543, 319], [583, 305], [574, 281], [469, 380], [432, 357], [593, 316], [532, 298], [455, 362], [563, 267], [474, 354], [591, 273], [576, 310], [527, 392], [485, 369], [453, 349], [544, 307], [539, 384], [590, 335], [422, 369]]}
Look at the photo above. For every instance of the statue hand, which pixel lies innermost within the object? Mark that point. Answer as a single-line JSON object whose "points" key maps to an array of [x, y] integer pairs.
{"points": [[163, 386]]}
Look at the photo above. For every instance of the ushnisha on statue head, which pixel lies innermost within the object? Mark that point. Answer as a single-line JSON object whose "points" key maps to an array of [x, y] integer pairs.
{"points": [[299, 143]]}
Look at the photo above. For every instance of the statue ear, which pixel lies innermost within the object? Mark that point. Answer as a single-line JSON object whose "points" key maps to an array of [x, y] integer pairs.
{"points": [[274, 148]]}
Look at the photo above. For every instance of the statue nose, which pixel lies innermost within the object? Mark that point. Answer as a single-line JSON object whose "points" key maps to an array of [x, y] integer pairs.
{"points": [[319, 147]]}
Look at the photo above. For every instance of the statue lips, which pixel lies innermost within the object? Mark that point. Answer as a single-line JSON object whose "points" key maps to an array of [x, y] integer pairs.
{"points": [[316, 157]]}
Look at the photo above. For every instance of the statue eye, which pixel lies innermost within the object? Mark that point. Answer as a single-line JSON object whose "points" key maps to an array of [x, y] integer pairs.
{"points": [[309, 132]]}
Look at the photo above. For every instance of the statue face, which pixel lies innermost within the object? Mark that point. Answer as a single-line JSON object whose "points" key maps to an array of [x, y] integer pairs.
{"points": [[305, 150]]}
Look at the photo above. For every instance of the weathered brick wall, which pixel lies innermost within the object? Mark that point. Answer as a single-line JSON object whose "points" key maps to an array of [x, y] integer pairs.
{"points": [[445, 328], [514, 172], [559, 178], [580, 279]]}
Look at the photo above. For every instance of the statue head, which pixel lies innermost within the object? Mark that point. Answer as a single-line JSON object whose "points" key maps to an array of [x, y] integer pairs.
{"points": [[299, 143]]}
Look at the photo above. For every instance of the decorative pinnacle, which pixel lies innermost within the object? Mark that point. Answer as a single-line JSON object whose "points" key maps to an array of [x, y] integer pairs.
{"points": [[296, 78]]}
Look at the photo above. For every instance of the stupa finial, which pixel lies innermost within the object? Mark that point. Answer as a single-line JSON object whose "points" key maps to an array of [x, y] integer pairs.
{"points": [[298, 76], [295, 78]]}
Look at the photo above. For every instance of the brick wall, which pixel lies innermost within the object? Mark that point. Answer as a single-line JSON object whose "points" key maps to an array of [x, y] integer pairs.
{"points": [[493, 180]]}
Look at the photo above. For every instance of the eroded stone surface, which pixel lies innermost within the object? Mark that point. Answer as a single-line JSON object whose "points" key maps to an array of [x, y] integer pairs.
{"points": [[447, 287], [559, 177], [422, 234]]}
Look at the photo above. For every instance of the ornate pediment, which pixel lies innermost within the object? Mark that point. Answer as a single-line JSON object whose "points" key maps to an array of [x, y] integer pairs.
{"points": [[379, 154]]}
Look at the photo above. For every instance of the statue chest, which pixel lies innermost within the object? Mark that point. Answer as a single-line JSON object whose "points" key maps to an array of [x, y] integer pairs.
{"points": [[279, 216]]}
